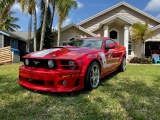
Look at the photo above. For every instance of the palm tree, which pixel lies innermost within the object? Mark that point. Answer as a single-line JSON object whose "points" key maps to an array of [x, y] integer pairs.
{"points": [[5, 6], [4, 9], [9, 22], [49, 34], [53, 3], [63, 8], [140, 32], [44, 24], [30, 6]]}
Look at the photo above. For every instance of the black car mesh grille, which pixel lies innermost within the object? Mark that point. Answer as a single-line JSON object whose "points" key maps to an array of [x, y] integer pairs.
{"points": [[40, 63]]}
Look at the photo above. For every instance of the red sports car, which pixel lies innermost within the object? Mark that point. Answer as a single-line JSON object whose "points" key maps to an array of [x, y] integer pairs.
{"points": [[70, 68]]}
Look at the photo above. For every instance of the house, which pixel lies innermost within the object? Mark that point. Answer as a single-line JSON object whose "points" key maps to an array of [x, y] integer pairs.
{"points": [[17, 40], [10, 39], [115, 22], [24, 35]]}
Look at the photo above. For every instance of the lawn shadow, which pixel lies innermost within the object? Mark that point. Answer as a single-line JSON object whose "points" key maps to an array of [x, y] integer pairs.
{"points": [[75, 93], [137, 99], [108, 77], [21, 103], [39, 105]]}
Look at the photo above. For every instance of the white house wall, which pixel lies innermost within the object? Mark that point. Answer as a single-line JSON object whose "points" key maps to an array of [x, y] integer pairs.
{"points": [[157, 35], [72, 32], [137, 17]]}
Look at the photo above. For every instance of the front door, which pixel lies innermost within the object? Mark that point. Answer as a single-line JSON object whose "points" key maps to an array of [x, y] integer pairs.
{"points": [[114, 35]]}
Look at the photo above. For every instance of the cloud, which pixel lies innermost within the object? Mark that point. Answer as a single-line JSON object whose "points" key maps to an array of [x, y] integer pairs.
{"points": [[67, 22], [17, 6], [80, 5], [153, 5]]}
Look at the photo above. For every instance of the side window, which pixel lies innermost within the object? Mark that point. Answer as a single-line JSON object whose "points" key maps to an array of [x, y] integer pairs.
{"points": [[14, 44], [110, 44], [129, 48]]}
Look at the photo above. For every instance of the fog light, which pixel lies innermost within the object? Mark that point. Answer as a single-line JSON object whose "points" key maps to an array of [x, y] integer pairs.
{"points": [[64, 83]]}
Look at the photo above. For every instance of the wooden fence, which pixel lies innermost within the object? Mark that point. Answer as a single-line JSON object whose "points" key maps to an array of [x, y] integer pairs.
{"points": [[5, 55]]}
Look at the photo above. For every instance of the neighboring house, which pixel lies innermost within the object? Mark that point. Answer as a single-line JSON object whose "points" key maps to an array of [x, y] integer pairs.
{"points": [[24, 35], [10, 39], [17, 40], [115, 22]]}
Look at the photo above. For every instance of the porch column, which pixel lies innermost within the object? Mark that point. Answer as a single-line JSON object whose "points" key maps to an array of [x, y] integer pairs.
{"points": [[126, 38], [105, 28], [1, 40]]}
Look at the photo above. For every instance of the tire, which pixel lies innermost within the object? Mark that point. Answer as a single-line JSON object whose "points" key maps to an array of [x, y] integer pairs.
{"points": [[122, 67], [93, 76]]}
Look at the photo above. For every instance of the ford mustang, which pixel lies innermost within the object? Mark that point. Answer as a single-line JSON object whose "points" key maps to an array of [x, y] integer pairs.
{"points": [[78, 65]]}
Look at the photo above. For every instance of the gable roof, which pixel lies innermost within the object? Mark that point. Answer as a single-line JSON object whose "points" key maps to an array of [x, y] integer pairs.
{"points": [[123, 17], [10, 34], [155, 28], [23, 35], [117, 5], [78, 27]]}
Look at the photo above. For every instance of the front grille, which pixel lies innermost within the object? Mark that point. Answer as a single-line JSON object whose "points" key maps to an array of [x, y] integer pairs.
{"points": [[41, 63], [36, 82]]}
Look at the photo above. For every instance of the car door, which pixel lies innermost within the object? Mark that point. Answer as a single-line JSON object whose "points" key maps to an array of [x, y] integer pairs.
{"points": [[111, 54]]}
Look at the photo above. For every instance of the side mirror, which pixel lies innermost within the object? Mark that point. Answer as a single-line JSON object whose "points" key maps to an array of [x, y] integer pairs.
{"points": [[110, 46]]}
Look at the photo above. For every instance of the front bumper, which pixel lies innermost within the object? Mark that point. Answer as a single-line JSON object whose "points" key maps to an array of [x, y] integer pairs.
{"points": [[48, 80]]}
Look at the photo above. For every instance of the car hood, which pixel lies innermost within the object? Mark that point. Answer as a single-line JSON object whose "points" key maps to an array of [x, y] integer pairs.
{"points": [[66, 52]]}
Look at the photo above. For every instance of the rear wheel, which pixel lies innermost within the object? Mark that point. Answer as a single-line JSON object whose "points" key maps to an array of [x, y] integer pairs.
{"points": [[92, 76], [123, 65]]}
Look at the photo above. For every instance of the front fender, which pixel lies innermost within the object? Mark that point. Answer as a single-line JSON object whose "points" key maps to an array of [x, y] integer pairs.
{"points": [[87, 61]]}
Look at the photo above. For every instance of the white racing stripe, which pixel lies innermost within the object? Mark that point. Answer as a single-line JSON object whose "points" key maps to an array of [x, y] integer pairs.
{"points": [[104, 60], [44, 52]]}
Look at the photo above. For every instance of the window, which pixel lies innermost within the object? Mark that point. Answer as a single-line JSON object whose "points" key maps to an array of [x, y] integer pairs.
{"points": [[14, 44], [113, 34], [87, 42], [129, 48], [110, 43], [64, 43]]}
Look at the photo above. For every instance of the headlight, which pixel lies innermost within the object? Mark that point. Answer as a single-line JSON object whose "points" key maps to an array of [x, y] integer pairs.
{"points": [[50, 63], [26, 62], [72, 64]]}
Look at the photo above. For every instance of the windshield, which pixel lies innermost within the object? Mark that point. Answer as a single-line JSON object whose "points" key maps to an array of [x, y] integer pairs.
{"points": [[89, 42]]}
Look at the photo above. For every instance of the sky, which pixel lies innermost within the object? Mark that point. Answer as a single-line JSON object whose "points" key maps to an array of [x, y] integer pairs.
{"points": [[88, 8]]}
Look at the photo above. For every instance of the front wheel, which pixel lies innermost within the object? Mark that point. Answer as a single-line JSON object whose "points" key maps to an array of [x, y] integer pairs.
{"points": [[122, 67], [92, 76]]}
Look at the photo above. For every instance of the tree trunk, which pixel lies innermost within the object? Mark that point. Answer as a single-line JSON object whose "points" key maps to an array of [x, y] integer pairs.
{"points": [[53, 10], [35, 30], [44, 25], [142, 48], [29, 34], [59, 33]]}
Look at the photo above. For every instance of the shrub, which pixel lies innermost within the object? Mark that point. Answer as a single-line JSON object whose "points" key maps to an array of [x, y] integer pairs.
{"points": [[141, 60]]}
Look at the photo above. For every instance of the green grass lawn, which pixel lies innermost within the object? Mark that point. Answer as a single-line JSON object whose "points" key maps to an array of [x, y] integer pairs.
{"points": [[131, 95]]}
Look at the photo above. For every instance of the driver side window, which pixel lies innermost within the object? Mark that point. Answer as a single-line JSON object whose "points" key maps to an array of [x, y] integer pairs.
{"points": [[110, 44]]}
